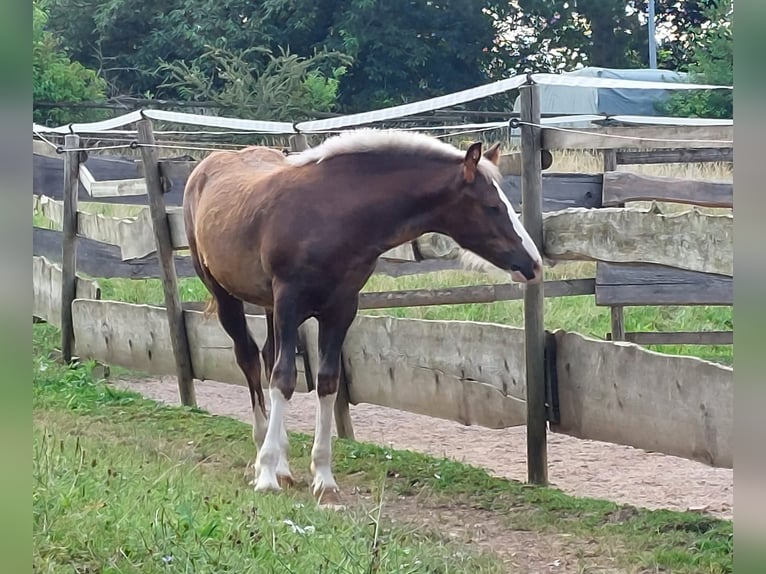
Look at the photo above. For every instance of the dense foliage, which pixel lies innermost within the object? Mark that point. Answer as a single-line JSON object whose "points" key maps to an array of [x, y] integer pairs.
{"points": [[714, 64], [290, 58], [56, 77]]}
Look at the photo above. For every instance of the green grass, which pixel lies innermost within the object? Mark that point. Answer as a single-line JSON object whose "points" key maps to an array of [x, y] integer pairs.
{"points": [[123, 484]]}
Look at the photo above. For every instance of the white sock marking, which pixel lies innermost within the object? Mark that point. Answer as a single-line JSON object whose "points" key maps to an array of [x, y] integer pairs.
{"points": [[321, 452], [268, 456], [260, 425], [526, 240]]}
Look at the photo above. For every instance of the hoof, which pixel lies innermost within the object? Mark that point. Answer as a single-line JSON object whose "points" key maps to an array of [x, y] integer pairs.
{"points": [[285, 481], [264, 484], [330, 499]]}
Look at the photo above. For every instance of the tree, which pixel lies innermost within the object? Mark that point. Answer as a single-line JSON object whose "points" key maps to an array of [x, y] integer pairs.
{"points": [[713, 64], [564, 34], [55, 77], [287, 87]]}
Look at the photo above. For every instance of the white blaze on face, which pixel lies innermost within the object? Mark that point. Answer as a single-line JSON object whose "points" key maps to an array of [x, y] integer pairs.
{"points": [[526, 240]]}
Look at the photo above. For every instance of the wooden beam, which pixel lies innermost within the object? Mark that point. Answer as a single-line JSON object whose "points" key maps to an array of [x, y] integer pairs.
{"points": [[678, 337], [118, 188], [636, 284], [560, 190], [687, 240], [162, 238], [470, 294], [657, 137], [625, 394], [447, 296], [46, 290], [137, 337], [467, 372], [724, 154], [69, 245], [534, 301], [621, 187]]}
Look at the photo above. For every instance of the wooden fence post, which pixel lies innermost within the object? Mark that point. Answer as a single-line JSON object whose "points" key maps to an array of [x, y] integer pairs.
{"points": [[617, 311], [534, 325], [69, 243], [162, 239]]}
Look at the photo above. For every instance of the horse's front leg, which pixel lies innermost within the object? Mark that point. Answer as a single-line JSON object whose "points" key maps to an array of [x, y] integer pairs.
{"points": [[271, 466], [332, 332]]}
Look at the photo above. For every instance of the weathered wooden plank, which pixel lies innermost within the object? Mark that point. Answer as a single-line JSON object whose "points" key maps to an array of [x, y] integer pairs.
{"points": [[131, 234], [46, 290], [624, 394], [689, 240], [724, 154], [162, 239], [471, 373], [679, 337], [636, 284], [623, 186], [470, 294], [560, 190], [98, 259], [657, 137], [212, 350], [137, 337], [686, 240], [448, 296], [118, 188]]}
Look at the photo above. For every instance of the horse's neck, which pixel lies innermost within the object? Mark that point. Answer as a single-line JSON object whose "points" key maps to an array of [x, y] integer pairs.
{"points": [[407, 224]]}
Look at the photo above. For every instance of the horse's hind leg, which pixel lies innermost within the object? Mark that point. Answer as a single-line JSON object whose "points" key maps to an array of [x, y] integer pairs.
{"points": [[284, 476], [231, 315]]}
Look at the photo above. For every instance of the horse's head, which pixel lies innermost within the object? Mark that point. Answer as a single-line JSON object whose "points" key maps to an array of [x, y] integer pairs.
{"points": [[482, 219]]}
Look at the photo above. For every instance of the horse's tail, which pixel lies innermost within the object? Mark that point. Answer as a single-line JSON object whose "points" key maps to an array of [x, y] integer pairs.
{"points": [[211, 306]]}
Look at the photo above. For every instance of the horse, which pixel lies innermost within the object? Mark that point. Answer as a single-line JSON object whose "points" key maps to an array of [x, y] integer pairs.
{"points": [[300, 235]]}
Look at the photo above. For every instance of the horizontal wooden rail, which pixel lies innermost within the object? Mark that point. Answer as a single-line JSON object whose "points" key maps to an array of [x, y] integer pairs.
{"points": [[621, 187], [707, 155], [636, 284], [657, 137], [448, 296], [688, 240], [678, 337]]}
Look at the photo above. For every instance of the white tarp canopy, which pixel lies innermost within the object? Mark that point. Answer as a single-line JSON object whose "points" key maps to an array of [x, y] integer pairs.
{"points": [[565, 100]]}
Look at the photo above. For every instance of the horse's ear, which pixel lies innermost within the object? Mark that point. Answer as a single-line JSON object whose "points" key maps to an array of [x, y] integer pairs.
{"points": [[471, 162], [493, 154]]}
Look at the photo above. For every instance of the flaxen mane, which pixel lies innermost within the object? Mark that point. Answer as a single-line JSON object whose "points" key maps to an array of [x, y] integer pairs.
{"points": [[392, 141]]}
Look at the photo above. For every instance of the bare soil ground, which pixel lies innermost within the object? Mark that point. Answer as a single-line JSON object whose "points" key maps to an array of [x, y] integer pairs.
{"points": [[578, 467]]}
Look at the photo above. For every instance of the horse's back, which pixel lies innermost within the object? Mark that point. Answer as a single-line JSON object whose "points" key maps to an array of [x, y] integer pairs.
{"points": [[221, 201]]}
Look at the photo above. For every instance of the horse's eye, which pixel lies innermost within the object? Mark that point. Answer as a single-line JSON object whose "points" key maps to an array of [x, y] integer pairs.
{"points": [[492, 210]]}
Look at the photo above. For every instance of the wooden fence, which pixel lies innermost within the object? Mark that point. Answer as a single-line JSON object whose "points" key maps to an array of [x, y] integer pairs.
{"points": [[491, 375]]}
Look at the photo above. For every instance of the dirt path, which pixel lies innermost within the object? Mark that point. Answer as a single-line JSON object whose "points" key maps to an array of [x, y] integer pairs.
{"points": [[579, 467]]}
